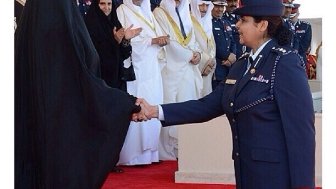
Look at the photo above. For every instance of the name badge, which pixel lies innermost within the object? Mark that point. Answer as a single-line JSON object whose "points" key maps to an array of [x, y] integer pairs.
{"points": [[301, 31], [260, 78], [230, 81], [217, 29]]}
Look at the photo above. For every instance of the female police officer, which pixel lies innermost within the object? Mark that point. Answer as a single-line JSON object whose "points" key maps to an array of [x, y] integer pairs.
{"points": [[267, 100]]}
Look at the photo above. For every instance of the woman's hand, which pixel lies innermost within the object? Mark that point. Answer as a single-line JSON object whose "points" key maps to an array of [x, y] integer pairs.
{"points": [[118, 35]]}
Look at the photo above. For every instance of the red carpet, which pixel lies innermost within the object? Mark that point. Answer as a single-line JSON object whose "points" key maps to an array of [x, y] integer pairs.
{"points": [[158, 175]]}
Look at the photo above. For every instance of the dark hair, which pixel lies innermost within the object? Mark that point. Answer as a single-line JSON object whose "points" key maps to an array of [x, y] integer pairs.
{"points": [[276, 29]]}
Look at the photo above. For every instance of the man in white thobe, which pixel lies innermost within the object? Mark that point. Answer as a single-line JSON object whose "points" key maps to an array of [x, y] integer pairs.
{"points": [[141, 143], [182, 79], [202, 22]]}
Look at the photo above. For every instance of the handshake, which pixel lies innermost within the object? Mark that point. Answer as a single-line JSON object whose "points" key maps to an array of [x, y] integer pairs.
{"points": [[147, 111]]}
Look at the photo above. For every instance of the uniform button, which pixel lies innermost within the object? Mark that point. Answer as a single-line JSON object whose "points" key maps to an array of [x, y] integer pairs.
{"points": [[233, 120], [236, 137], [237, 154], [231, 104]]}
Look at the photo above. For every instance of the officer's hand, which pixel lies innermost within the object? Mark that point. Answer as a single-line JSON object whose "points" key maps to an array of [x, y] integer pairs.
{"points": [[232, 58], [226, 63]]}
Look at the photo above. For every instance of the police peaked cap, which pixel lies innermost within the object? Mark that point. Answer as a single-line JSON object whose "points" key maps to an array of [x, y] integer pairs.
{"points": [[219, 2], [288, 3], [260, 8]]}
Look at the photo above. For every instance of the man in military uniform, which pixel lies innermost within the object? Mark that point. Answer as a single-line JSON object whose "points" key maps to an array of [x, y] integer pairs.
{"points": [[303, 32], [233, 19], [225, 44], [288, 23]]}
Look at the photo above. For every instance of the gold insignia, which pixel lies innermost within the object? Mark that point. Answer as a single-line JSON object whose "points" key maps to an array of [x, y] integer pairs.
{"points": [[252, 71], [230, 81]]}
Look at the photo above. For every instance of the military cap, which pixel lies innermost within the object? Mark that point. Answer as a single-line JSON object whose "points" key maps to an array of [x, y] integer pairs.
{"points": [[288, 3], [219, 2], [296, 6], [260, 8]]}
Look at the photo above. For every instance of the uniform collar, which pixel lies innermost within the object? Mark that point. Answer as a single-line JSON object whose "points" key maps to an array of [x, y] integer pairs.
{"points": [[298, 21], [215, 18], [254, 56], [230, 14]]}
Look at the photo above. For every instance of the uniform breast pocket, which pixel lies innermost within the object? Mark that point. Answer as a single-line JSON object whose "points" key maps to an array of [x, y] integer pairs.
{"points": [[216, 31]]}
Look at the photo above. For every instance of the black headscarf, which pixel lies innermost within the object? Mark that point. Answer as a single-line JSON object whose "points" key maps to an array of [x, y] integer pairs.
{"points": [[110, 52], [97, 16], [69, 125]]}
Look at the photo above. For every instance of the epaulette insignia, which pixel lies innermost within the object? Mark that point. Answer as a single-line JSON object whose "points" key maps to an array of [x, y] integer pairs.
{"points": [[280, 50], [305, 22]]}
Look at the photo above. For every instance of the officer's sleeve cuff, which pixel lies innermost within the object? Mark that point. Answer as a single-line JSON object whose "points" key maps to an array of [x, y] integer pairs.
{"points": [[161, 115]]}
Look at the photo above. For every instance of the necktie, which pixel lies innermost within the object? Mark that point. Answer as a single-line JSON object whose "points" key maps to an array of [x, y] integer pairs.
{"points": [[181, 24]]}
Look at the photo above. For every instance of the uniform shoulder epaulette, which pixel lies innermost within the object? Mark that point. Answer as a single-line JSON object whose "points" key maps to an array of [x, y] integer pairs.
{"points": [[281, 50], [303, 21], [244, 55]]}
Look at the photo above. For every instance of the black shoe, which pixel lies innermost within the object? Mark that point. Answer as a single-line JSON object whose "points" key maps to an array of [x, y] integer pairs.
{"points": [[117, 170]]}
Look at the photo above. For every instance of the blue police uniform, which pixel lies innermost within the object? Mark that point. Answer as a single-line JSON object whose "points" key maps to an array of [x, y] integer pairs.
{"points": [[224, 46], [294, 41], [271, 115], [233, 19], [270, 110], [303, 32]]}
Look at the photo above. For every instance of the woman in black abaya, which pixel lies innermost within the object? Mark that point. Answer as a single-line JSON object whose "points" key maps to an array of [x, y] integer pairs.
{"points": [[69, 125], [104, 29]]}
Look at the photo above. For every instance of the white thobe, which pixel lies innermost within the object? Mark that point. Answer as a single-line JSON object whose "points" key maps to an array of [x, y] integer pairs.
{"points": [[208, 47], [181, 80], [141, 143]]}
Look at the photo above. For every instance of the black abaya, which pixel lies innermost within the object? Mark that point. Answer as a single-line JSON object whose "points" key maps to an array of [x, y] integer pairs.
{"points": [[111, 53], [69, 125]]}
